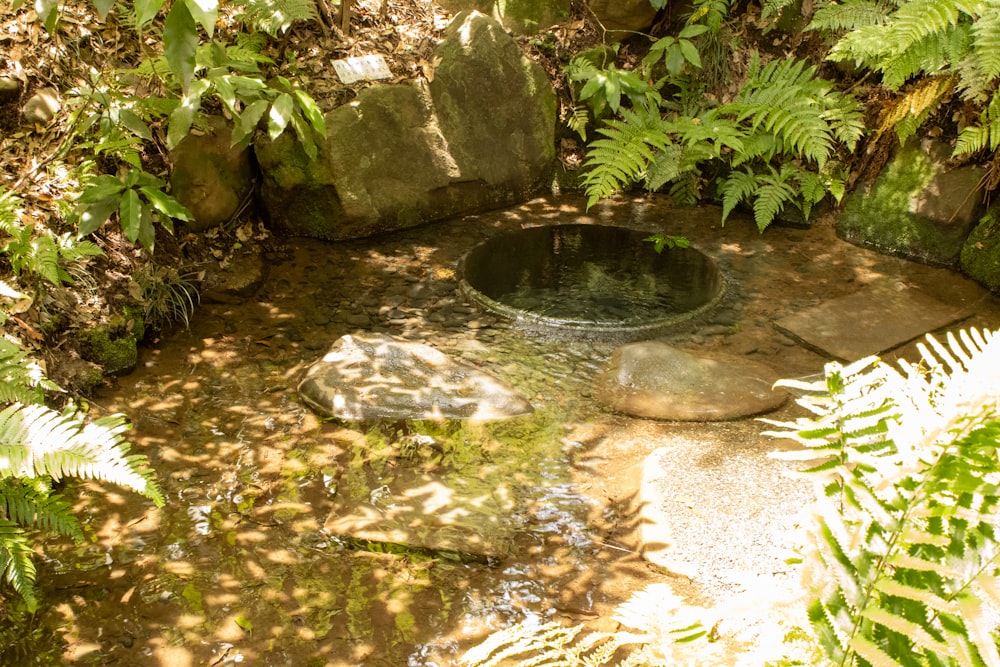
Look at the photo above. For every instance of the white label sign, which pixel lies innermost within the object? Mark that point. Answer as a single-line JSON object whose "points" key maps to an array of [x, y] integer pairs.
{"points": [[362, 68]]}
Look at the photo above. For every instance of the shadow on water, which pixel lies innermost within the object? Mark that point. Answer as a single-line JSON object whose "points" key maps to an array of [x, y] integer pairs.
{"points": [[246, 564]]}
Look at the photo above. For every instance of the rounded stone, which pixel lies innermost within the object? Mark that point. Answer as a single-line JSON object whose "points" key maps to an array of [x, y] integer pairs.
{"points": [[657, 381]]}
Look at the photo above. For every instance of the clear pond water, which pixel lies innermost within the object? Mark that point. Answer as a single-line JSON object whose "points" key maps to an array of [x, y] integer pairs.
{"points": [[590, 278]]}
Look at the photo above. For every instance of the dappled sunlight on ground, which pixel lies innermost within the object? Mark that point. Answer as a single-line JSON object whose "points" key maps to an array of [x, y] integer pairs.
{"points": [[245, 563]]}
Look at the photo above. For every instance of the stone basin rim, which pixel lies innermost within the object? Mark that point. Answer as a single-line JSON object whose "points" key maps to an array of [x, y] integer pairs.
{"points": [[627, 331]]}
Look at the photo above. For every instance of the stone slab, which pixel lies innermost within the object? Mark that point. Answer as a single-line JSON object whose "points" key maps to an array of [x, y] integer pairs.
{"points": [[874, 320], [469, 517]]}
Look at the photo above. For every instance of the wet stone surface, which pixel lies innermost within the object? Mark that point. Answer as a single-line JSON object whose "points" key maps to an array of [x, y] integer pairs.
{"points": [[240, 566]]}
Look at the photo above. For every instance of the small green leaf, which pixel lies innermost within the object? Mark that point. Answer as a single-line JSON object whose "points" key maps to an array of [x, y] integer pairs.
{"points": [[179, 124], [281, 113], [47, 12], [247, 121], [103, 7], [693, 30], [130, 212], [245, 624], [146, 11], [134, 124], [674, 59], [205, 12], [311, 111], [94, 215], [690, 52], [147, 235], [166, 204], [180, 43], [101, 187]]}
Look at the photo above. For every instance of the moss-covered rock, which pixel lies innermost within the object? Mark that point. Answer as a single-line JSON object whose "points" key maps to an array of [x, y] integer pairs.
{"points": [[113, 346], [980, 257], [479, 136], [523, 17], [918, 208]]}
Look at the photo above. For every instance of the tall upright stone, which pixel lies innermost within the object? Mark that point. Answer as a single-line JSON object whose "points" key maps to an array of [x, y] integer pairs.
{"points": [[481, 135]]}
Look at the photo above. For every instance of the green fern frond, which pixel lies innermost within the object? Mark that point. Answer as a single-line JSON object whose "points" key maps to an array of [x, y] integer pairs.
{"points": [[986, 42], [10, 205], [578, 119], [687, 189], [16, 565], [274, 16], [21, 378], [738, 187], [917, 20], [37, 441], [622, 156], [909, 544], [770, 197], [985, 135], [802, 113], [664, 167], [33, 506], [849, 15]]}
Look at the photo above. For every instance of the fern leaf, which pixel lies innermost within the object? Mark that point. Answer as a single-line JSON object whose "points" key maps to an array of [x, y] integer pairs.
{"points": [[770, 197], [917, 104], [578, 119], [986, 42], [274, 16], [622, 156], [917, 633], [664, 167], [738, 187], [16, 565], [835, 16], [874, 655], [916, 20], [31, 508], [35, 440]]}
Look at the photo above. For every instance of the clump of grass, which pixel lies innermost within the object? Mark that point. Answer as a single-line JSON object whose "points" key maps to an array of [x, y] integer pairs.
{"points": [[168, 296]]}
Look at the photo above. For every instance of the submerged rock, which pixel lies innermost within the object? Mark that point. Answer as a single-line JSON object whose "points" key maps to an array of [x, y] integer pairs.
{"points": [[655, 380], [374, 376]]}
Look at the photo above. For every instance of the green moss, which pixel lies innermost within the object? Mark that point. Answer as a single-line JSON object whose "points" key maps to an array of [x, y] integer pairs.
{"points": [[980, 257], [114, 346], [884, 218]]}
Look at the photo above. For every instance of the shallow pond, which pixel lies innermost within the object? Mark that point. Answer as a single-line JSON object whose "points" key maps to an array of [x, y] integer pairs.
{"points": [[238, 567]]}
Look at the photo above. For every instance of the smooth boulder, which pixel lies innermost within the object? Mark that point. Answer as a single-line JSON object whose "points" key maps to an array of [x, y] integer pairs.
{"points": [[657, 381], [479, 136], [375, 376]]}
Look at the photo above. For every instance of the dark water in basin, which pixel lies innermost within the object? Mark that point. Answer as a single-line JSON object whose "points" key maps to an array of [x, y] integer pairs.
{"points": [[579, 276]]}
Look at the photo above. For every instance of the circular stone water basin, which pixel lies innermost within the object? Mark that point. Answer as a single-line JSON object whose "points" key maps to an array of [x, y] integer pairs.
{"points": [[590, 279]]}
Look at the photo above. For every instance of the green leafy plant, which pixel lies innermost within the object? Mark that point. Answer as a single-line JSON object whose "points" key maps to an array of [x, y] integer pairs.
{"points": [[38, 253], [138, 197], [113, 123], [783, 115], [903, 558], [38, 446], [951, 44], [274, 16], [168, 296]]}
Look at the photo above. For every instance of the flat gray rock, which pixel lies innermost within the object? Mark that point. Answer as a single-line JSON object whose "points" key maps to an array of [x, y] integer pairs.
{"points": [[657, 381], [873, 320], [374, 376]]}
